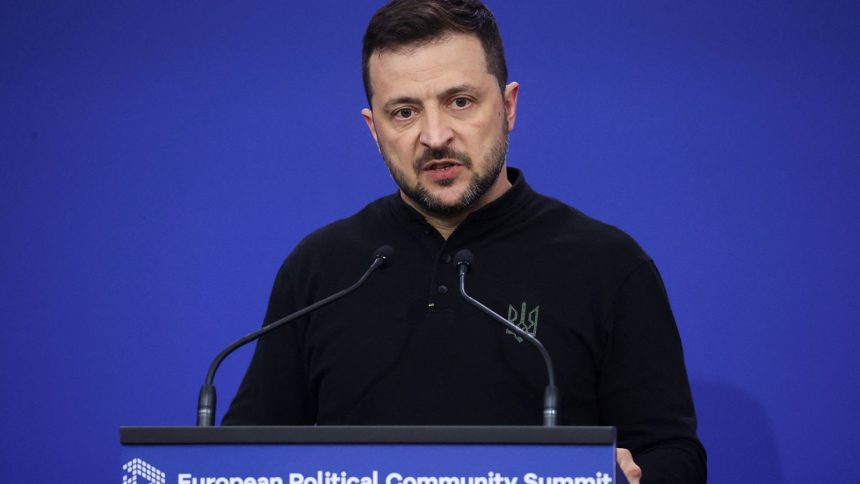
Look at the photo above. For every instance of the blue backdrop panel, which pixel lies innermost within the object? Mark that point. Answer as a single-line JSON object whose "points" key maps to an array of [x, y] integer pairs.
{"points": [[159, 159]]}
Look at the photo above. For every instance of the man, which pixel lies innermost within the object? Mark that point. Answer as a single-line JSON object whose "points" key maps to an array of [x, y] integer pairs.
{"points": [[406, 348]]}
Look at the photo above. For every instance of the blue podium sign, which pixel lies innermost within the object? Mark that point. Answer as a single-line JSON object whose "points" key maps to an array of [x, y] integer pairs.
{"points": [[369, 455]]}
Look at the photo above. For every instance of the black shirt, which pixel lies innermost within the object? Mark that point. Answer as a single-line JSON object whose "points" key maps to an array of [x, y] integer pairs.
{"points": [[406, 348]]}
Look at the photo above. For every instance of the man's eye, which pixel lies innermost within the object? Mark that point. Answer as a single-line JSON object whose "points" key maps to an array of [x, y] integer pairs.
{"points": [[462, 102], [404, 113]]}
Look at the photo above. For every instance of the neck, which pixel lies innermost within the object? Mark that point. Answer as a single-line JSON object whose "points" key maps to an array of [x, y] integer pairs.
{"points": [[445, 225]]}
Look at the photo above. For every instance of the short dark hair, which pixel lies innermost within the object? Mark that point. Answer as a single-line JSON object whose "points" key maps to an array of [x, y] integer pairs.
{"points": [[408, 22]]}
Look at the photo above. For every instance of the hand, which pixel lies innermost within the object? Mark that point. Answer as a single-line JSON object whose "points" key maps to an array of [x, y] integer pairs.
{"points": [[625, 461]]}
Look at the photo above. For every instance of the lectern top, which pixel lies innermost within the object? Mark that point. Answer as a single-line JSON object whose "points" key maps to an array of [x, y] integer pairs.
{"points": [[592, 435]]}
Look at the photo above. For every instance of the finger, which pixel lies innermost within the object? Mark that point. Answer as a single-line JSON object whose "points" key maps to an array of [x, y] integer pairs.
{"points": [[625, 461]]}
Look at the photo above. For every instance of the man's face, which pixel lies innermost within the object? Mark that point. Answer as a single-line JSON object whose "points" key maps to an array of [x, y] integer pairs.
{"points": [[441, 123]]}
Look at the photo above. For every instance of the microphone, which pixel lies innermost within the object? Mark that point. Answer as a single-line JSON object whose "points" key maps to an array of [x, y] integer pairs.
{"points": [[464, 261], [206, 400]]}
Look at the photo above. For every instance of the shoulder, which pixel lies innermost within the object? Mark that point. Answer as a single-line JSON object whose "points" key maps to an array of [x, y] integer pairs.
{"points": [[350, 231], [577, 232], [341, 244]]}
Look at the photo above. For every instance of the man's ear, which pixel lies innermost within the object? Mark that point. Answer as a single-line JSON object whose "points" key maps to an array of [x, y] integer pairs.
{"points": [[512, 90], [367, 114]]}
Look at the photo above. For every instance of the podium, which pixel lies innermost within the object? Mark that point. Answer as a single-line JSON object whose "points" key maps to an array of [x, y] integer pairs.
{"points": [[368, 455]]}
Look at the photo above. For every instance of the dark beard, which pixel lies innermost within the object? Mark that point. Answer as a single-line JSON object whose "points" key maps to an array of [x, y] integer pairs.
{"points": [[478, 185]]}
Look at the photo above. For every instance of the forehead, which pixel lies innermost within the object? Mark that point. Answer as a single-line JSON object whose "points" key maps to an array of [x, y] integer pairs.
{"points": [[420, 69]]}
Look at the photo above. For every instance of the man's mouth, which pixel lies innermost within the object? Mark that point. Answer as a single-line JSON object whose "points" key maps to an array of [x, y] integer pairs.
{"points": [[440, 165]]}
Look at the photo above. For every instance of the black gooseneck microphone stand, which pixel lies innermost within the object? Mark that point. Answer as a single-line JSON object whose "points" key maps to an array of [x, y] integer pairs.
{"points": [[206, 400], [464, 260]]}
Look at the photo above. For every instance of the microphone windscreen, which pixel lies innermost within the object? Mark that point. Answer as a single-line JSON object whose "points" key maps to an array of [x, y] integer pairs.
{"points": [[386, 252], [464, 256]]}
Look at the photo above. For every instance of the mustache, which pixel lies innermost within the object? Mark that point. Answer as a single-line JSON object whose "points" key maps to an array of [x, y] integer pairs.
{"points": [[443, 154]]}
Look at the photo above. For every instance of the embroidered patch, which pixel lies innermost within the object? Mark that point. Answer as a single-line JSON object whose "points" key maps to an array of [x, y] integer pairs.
{"points": [[526, 319]]}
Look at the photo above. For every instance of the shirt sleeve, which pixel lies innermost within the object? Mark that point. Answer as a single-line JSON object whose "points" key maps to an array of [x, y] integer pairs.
{"points": [[644, 389], [274, 390]]}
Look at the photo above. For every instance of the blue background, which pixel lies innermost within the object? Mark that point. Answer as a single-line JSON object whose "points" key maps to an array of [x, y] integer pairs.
{"points": [[159, 159]]}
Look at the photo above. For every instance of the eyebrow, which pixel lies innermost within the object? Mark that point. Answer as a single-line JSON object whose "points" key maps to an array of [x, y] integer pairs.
{"points": [[399, 100], [443, 95], [457, 90]]}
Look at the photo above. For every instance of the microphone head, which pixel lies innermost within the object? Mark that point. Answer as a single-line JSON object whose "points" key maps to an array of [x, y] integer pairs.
{"points": [[385, 253], [464, 257]]}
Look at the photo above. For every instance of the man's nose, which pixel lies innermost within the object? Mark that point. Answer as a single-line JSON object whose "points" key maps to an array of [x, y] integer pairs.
{"points": [[436, 131]]}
